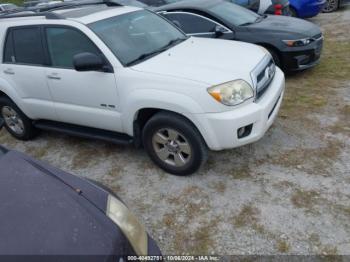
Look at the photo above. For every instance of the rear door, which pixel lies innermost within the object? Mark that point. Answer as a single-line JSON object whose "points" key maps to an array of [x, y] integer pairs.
{"points": [[23, 67]]}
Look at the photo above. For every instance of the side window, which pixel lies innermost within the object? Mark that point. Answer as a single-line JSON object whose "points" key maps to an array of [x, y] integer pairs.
{"points": [[190, 23], [64, 43], [9, 52], [24, 46]]}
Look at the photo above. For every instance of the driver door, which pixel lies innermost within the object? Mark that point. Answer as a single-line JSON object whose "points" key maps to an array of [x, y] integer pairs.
{"points": [[82, 98]]}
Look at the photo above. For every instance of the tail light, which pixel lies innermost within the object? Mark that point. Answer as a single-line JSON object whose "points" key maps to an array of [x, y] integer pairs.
{"points": [[278, 9]]}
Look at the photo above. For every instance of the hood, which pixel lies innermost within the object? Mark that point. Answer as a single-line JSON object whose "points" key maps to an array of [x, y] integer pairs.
{"points": [[207, 61], [45, 214], [295, 27]]}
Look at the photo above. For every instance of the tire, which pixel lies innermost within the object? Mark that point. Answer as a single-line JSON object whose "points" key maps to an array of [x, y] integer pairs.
{"points": [[330, 6], [15, 121], [174, 144], [275, 57]]}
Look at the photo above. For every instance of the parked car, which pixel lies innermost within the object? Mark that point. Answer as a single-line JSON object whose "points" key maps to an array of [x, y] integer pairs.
{"points": [[126, 75], [294, 44], [32, 3], [274, 7], [7, 7], [306, 8], [333, 5], [157, 2], [51, 212]]}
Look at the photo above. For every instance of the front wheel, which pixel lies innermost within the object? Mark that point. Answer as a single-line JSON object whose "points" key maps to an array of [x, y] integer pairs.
{"points": [[330, 6], [174, 144]]}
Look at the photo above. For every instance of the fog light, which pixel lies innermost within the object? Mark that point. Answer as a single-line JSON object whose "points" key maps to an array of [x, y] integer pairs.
{"points": [[244, 131], [241, 132]]}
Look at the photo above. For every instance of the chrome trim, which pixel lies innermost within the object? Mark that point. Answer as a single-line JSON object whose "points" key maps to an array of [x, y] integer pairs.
{"points": [[269, 73]]}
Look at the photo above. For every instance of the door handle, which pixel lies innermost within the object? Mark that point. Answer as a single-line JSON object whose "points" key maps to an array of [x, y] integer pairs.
{"points": [[9, 71], [54, 77]]}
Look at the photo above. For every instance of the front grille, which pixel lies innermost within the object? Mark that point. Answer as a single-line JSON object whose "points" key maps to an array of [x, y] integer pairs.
{"points": [[264, 75]]}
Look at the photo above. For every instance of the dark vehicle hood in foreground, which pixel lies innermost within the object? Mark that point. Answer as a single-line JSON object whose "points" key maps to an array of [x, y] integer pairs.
{"points": [[287, 25], [45, 211]]}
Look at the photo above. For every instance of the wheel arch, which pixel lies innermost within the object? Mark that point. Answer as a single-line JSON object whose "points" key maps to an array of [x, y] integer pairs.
{"points": [[143, 115]]}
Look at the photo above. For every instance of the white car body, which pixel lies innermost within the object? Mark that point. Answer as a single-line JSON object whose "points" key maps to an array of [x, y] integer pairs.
{"points": [[175, 80]]}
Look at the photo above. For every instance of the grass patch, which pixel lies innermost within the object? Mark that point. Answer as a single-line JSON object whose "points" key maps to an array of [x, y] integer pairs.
{"points": [[282, 246], [16, 2], [305, 199], [309, 91], [318, 161], [247, 216]]}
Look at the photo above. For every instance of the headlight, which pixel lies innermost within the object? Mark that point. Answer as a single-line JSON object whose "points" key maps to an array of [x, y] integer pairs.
{"points": [[128, 223], [299, 42], [232, 93]]}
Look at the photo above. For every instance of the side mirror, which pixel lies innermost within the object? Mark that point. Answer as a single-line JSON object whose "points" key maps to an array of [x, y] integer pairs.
{"points": [[88, 62], [219, 30]]}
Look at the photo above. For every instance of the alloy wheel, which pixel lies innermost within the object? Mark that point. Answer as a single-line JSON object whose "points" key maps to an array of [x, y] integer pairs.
{"points": [[172, 147], [13, 120], [331, 5]]}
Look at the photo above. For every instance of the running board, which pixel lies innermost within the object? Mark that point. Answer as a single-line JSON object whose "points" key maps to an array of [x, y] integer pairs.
{"points": [[85, 132]]}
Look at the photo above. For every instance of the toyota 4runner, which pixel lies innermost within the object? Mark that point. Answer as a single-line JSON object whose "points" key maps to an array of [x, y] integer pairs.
{"points": [[126, 75]]}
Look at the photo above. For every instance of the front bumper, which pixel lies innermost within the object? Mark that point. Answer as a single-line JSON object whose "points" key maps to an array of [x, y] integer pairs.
{"points": [[301, 58], [220, 130]]}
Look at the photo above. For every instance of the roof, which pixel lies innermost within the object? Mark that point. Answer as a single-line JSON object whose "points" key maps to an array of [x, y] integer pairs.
{"points": [[84, 13], [189, 4], [93, 13]]}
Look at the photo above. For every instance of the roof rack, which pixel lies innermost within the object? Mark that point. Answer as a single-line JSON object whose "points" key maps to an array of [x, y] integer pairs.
{"points": [[46, 11], [66, 5], [47, 15]]}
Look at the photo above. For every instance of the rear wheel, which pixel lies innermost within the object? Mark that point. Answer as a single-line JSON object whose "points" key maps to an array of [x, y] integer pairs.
{"points": [[174, 144], [15, 121], [331, 6]]}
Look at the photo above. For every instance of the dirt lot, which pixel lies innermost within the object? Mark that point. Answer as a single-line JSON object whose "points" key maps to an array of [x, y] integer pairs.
{"points": [[288, 193]]}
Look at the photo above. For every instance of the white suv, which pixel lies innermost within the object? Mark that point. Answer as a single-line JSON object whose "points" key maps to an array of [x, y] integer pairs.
{"points": [[126, 75]]}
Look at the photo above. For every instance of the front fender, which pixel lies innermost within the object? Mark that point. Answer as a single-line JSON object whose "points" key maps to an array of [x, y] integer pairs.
{"points": [[157, 99]]}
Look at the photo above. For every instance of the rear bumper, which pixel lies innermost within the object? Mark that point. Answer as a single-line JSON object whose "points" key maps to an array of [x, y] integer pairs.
{"points": [[220, 130], [311, 8]]}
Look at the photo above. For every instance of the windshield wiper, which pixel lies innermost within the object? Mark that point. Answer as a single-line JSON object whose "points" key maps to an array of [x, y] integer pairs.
{"points": [[156, 52]]}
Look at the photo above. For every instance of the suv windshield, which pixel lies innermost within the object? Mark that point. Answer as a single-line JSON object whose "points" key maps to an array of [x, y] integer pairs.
{"points": [[137, 36], [234, 14]]}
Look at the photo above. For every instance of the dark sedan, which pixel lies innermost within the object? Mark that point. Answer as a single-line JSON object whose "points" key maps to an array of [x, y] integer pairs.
{"points": [[47, 212], [295, 44]]}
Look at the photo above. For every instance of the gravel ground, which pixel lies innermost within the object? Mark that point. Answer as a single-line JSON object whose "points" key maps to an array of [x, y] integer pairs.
{"points": [[286, 194]]}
